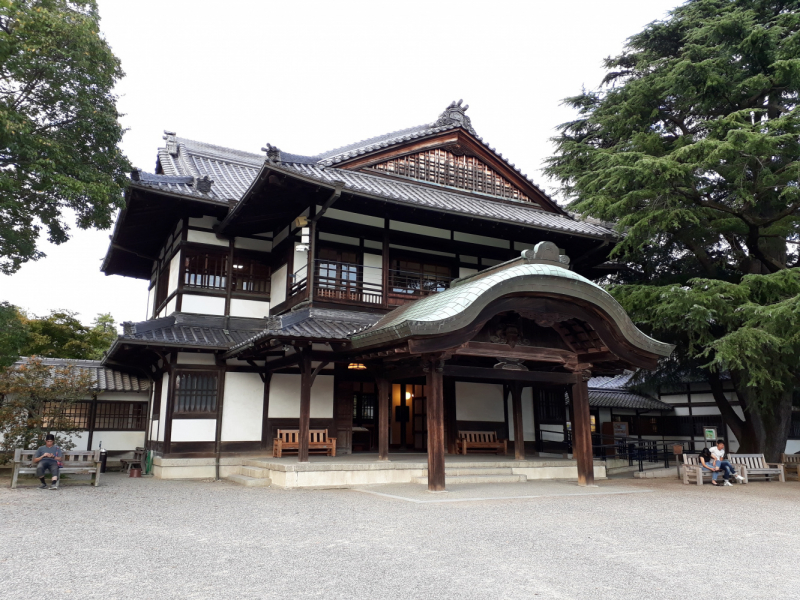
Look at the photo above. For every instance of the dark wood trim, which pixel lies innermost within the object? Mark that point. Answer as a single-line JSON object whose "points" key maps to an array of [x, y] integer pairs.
{"points": [[190, 448], [234, 446], [519, 430], [555, 355], [168, 413], [435, 408], [305, 403], [463, 372], [228, 282], [92, 418], [220, 402], [384, 391], [265, 413], [451, 433], [582, 432]]}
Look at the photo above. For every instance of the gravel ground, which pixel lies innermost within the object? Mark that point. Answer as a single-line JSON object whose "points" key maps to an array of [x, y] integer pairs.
{"points": [[145, 538]]}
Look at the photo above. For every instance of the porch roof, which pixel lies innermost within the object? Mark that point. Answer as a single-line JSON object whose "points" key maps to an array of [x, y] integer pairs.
{"points": [[106, 379], [611, 398]]}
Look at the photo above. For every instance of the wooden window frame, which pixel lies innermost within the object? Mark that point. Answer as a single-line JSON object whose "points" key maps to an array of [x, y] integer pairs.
{"points": [[178, 410]]}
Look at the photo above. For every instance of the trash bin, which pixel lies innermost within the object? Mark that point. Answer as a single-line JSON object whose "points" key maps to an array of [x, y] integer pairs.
{"points": [[103, 458]]}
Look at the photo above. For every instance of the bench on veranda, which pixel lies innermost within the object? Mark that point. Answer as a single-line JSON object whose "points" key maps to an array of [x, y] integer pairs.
{"points": [[75, 461], [791, 462], [482, 441], [754, 465], [288, 440]]}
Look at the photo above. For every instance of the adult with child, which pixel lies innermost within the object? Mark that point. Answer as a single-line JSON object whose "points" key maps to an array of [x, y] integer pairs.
{"points": [[713, 460], [48, 458]]}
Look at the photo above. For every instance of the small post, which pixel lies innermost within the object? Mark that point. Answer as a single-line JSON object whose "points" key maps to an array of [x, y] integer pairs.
{"points": [[305, 404], [383, 419], [581, 429], [435, 406], [519, 430]]}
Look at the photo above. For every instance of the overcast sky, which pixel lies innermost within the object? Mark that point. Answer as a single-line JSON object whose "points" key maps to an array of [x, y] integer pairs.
{"points": [[309, 76]]}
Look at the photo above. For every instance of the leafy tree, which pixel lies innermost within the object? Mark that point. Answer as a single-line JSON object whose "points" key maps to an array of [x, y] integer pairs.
{"points": [[35, 399], [59, 128], [692, 146], [62, 335], [13, 334]]}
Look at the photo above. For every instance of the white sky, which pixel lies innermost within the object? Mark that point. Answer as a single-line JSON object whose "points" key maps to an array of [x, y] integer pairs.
{"points": [[308, 76]]}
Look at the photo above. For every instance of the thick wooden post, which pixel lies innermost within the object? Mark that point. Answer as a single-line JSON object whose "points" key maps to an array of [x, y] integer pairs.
{"points": [[305, 404], [519, 431], [435, 406], [582, 431], [383, 419]]}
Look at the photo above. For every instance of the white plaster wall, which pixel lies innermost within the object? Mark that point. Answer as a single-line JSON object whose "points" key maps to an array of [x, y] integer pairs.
{"points": [[420, 229], [681, 411], [170, 308], [252, 244], [705, 410], [374, 273], [479, 401], [480, 239], [125, 396], [350, 217], [194, 430], [154, 431], [249, 308], [300, 260], [174, 273], [149, 311], [81, 440], [162, 415], [342, 239], [196, 358], [243, 407], [465, 271], [206, 222], [203, 305], [118, 440], [277, 286], [205, 237], [284, 397]]}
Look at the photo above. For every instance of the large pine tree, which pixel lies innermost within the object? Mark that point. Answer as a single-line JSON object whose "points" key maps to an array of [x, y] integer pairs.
{"points": [[692, 147]]}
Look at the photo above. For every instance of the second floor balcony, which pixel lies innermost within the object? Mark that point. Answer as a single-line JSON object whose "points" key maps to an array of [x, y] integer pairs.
{"points": [[355, 284]]}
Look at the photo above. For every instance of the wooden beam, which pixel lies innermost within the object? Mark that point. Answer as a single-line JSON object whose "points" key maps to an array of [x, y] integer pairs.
{"points": [[383, 418], [463, 372], [582, 432], [305, 403], [519, 431], [555, 355], [435, 408]]}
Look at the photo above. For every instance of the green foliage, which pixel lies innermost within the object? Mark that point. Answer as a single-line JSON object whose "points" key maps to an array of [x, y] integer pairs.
{"points": [[13, 334], [692, 147], [62, 335], [35, 400], [59, 126]]}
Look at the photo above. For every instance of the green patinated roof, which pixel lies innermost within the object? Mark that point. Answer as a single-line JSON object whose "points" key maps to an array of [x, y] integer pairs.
{"points": [[458, 306]]}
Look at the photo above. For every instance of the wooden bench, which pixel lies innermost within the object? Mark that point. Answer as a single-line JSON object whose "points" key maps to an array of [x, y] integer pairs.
{"points": [[482, 441], [791, 462], [138, 459], [82, 462], [754, 465], [691, 467], [289, 440]]}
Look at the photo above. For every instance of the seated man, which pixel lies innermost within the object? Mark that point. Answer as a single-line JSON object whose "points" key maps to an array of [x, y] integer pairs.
{"points": [[48, 458], [718, 455]]}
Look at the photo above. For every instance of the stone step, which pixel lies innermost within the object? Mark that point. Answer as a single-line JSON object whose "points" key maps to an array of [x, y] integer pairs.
{"points": [[255, 472], [249, 481], [476, 471], [455, 479]]}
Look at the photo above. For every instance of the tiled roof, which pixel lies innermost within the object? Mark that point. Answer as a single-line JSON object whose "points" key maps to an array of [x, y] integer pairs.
{"points": [[617, 382], [184, 185], [311, 323], [191, 330], [107, 380], [625, 399]]}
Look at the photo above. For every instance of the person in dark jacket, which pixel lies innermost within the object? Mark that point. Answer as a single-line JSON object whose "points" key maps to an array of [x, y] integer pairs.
{"points": [[48, 458]]}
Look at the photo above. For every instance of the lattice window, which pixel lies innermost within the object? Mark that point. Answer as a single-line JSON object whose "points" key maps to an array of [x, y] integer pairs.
{"points": [[445, 168], [195, 392], [206, 270], [75, 414], [121, 416], [249, 276]]}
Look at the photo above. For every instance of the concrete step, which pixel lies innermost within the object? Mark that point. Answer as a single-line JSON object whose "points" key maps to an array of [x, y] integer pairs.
{"points": [[249, 481], [657, 473], [635, 467], [476, 471], [255, 472], [455, 479]]}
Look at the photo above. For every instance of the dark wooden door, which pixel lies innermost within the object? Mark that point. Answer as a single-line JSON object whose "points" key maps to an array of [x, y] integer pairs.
{"points": [[343, 416]]}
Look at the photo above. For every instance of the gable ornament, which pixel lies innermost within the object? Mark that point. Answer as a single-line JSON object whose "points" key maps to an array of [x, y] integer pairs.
{"points": [[455, 115]]}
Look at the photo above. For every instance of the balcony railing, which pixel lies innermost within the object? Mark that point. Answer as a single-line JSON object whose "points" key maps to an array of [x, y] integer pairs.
{"points": [[350, 283]]}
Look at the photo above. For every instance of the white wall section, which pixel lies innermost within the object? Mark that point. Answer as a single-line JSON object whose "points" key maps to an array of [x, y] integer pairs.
{"points": [[256, 309], [284, 397], [243, 407], [162, 415], [373, 274], [205, 237], [196, 358], [174, 273], [479, 402], [252, 244], [277, 286], [194, 430], [203, 305]]}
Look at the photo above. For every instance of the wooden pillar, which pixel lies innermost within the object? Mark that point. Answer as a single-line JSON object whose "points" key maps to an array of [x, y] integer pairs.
{"points": [[383, 418], [435, 427], [305, 403], [582, 431], [519, 432]]}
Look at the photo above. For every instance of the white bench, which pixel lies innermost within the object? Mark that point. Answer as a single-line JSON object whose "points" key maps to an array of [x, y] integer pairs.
{"points": [[791, 462], [82, 462], [754, 465]]}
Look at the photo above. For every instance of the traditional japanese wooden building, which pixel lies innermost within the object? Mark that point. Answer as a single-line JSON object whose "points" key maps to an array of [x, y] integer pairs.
{"points": [[393, 291]]}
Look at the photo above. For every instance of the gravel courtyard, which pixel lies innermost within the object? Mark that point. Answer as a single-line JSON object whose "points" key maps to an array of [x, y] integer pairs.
{"points": [[145, 538]]}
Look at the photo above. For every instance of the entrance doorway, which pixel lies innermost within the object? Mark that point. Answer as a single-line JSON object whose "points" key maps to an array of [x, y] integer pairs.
{"points": [[409, 427]]}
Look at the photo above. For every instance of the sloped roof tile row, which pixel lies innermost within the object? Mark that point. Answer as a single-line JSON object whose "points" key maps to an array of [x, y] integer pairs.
{"points": [[106, 380]]}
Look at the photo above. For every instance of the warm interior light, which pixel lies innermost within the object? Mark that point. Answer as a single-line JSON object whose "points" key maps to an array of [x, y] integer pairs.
{"points": [[238, 266], [356, 366], [409, 395]]}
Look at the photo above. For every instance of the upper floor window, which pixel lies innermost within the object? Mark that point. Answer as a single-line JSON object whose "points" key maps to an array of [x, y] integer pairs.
{"points": [[249, 275], [416, 277], [207, 270]]}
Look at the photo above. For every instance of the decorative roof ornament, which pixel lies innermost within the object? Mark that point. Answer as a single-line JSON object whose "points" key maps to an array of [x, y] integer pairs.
{"points": [[136, 174], [203, 184], [546, 252], [273, 153], [455, 115], [172, 142]]}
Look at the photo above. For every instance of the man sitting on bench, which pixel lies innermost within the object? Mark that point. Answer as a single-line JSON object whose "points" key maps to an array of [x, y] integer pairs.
{"points": [[718, 456], [48, 458]]}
